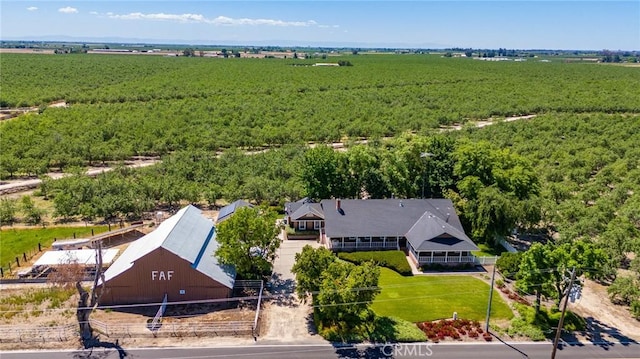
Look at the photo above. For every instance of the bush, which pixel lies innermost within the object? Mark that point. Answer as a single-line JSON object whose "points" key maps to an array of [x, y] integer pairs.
{"points": [[509, 263], [445, 268], [394, 260], [635, 309]]}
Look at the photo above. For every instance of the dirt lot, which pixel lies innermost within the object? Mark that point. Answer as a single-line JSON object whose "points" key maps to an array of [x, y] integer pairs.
{"points": [[608, 321]]}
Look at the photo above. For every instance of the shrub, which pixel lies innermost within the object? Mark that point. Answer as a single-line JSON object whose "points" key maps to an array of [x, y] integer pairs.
{"points": [[509, 263], [635, 309], [394, 260], [499, 283]]}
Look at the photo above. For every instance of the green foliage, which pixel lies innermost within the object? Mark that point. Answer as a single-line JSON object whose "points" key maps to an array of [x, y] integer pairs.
{"points": [[624, 290], [7, 210], [544, 269], [33, 214], [308, 268], [540, 325], [345, 295], [394, 260], [248, 241], [151, 105], [509, 263], [426, 298], [17, 241], [635, 309]]}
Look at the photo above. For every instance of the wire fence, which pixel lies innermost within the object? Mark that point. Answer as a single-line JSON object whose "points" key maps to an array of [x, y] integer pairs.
{"points": [[174, 329], [13, 333], [10, 269]]}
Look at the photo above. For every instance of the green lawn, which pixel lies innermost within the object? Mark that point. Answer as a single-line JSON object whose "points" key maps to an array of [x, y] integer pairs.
{"points": [[14, 242], [487, 251], [425, 298]]}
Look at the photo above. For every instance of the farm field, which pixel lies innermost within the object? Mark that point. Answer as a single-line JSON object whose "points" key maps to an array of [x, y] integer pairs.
{"points": [[426, 298], [122, 106], [14, 242]]}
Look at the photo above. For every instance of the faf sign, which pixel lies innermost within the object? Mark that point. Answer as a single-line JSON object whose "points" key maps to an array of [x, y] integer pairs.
{"points": [[161, 275]]}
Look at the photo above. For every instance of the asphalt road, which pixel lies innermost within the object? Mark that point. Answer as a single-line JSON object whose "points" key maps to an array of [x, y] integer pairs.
{"points": [[312, 351]]}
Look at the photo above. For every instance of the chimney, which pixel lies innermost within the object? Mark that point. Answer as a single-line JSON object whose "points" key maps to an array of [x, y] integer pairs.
{"points": [[338, 204]]}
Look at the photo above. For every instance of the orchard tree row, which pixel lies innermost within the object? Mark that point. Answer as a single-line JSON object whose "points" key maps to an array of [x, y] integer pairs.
{"points": [[121, 106]]}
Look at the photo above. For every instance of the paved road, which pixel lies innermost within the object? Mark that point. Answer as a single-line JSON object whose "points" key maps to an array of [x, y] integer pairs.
{"points": [[312, 351]]}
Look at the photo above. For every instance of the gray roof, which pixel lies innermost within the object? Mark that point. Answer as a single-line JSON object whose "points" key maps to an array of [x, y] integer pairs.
{"points": [[431, 233], [186, 234], [227, 211], [308, 210], [419, 220]]}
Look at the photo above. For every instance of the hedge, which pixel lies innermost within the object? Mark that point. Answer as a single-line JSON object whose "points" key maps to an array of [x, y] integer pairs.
{"points": [[394, 260]]}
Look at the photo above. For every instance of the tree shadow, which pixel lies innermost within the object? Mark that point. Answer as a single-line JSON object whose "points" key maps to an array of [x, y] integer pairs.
{"points": [[94, 343], [282, 291], [311, 324], [599, 334]]}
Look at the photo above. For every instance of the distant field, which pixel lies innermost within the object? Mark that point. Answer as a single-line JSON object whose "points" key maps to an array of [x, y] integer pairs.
{"points": [[14, 242], [425, 298], [151, 105]]}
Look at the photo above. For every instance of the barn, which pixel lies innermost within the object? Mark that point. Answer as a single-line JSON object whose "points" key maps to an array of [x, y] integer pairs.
{"points": [[176, 259]]}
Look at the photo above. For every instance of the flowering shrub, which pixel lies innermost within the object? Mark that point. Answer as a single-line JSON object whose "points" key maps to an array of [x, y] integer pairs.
{"points": [[454, 329]]}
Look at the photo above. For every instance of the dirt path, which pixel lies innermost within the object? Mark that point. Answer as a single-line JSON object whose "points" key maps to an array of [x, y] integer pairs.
{"points": [[287, 319], [20, 186], [606, 320]]}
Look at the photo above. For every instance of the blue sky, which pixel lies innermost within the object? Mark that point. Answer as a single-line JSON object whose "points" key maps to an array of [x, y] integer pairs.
{"points": [[511, 24]]}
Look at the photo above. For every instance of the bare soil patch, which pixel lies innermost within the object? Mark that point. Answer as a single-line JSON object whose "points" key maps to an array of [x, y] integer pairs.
{"points": [[607, 320]]}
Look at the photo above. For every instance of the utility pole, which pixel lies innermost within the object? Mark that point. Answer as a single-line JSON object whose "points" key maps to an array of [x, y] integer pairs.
{"points": [[493, 278], [564, 309]]}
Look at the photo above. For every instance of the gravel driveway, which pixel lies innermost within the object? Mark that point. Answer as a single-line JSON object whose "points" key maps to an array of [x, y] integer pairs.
{"points": [[287, 319]]}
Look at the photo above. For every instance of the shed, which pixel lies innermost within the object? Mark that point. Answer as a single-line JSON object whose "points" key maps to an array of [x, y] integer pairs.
{"points": [[177, 259], [85, 257]]}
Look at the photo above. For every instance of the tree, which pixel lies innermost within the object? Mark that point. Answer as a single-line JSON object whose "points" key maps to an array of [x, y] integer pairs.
{"points": [[624, 290], [87, 301], [33, 214], [545, 269], [248, 240], [308, 268], [7, 210], [533, 274], [345, 295], [509, 264], [323, 174]]}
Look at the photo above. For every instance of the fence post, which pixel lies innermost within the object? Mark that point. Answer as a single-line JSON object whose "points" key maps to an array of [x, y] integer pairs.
{"points": [[74, 235], [24, 256], [92, 232], [17, 262], [1, 273], [39, 247]]}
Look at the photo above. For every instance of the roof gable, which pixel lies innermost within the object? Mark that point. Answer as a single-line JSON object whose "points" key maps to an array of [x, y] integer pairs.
{"points": [[188, 235], [431, 232], [308, 210]]}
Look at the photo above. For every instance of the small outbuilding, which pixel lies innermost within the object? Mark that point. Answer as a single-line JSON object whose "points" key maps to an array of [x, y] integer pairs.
{"points": [[177, 259]]}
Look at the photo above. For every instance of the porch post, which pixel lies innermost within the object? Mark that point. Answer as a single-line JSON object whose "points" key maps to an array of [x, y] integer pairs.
{"points": [[384, 242], [431, 256], [460, 260], [357, 242], [342, 242], [446, 255]]}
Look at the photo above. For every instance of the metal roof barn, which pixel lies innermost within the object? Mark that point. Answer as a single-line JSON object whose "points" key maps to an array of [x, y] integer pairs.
{"points": [[177, 259]]}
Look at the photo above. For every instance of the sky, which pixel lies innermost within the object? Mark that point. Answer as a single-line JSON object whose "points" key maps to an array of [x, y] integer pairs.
{"points": [[514, 24]]}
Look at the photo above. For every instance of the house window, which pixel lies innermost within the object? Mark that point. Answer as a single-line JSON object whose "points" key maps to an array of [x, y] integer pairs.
{"points": [[302, 226], [316, 224]]}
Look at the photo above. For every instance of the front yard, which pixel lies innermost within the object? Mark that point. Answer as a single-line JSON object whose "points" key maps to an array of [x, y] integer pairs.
{"points": [[426, 298]]}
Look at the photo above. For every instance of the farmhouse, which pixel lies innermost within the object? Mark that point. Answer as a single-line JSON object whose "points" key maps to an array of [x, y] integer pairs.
{"points": [[428, 230], [177, 260]]}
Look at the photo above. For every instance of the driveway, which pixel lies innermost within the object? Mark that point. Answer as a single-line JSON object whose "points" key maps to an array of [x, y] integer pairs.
{"points": [[287, 319]]}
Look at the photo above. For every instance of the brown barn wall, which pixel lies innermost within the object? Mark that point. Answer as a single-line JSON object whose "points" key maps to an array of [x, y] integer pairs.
{"points": [[139, 285]]}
